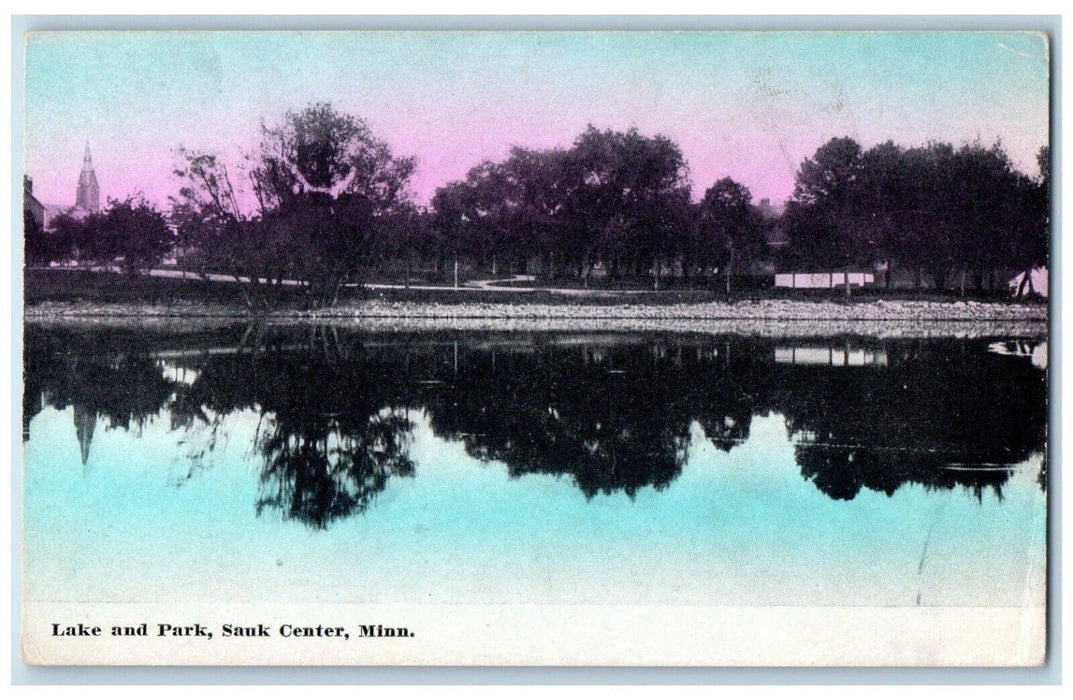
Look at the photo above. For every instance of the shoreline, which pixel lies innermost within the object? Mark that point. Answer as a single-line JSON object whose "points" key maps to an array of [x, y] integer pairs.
{"points": [[746, 310], [778, 318]]}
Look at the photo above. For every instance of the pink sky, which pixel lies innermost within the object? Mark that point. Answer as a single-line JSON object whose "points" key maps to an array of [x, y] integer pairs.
{"points": [[746, 105]]}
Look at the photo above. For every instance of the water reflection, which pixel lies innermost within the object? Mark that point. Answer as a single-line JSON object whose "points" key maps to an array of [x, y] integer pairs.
{"points": [[834, 355], [611, 413]]}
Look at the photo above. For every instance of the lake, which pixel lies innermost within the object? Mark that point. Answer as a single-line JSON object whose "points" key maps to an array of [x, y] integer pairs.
{"points": [[304, 463]]}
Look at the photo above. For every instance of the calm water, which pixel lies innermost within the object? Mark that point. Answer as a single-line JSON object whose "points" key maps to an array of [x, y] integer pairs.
{"points": [[321, 464]]}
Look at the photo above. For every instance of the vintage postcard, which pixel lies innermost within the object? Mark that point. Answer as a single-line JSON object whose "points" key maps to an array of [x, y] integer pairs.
{"points": [[590, 348]]}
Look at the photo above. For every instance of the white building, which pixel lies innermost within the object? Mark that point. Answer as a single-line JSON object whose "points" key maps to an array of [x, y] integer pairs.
{"points": [[823, 280]]}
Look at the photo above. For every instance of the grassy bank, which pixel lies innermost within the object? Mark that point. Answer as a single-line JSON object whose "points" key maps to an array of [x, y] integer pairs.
{"points": [[84, 287], [55, 288]]}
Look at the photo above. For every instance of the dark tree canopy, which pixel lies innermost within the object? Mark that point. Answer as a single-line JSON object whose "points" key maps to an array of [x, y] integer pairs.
{"points": [[332, 207], [620, 198], [327, 191], [129, 233], [936, 208], [729, 228]]}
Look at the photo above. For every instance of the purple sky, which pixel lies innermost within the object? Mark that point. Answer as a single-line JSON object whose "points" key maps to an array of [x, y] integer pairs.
{"points": [[746, 105]]}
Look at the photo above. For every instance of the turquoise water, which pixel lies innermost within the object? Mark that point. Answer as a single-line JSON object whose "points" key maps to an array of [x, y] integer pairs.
{"points": [[503, 469]]}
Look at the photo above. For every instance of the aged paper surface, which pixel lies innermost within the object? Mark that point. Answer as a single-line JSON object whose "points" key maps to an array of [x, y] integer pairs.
{"points": [[536, 348]]}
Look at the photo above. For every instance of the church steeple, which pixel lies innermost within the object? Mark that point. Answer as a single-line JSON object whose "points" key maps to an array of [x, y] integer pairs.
{"points": [[88, 196]]}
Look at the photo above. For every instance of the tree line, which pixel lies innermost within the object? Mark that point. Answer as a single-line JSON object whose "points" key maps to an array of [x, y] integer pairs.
{"points": [[324, 201], [950, 212], [131, 232]]}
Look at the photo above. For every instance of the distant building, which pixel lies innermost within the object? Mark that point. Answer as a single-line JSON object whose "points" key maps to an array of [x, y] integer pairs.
{"points": [[770, 211], [88, 197], [30, 204], [823, 280], [776, 237]]}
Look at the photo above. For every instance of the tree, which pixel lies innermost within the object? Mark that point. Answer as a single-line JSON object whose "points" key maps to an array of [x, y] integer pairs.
{"points": [[629, 199], [985, 185], [729, 228], [131, 230], [331, 188], [325, 188], [963, 211], [919, 238], [822, 211], [74, 236], [885, 203], [817, 213], [484, 208], [404, 239], [449, 222], [827, 178], [42, 247], [1031, 247], [936, 207], [544, 183], [619, 198], [218, 234]]}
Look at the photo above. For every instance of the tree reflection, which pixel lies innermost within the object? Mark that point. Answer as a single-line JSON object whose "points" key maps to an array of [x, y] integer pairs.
{"points": [[610, 413], [939, 414], [612, 416], [320, 479], [580, 411], [332, 432]]}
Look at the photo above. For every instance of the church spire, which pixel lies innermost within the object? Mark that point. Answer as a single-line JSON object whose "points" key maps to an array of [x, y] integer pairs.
{"points": [[88, 196]]}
